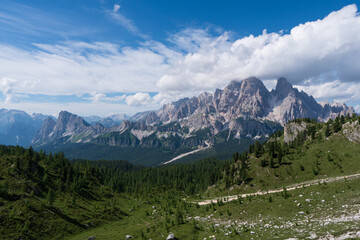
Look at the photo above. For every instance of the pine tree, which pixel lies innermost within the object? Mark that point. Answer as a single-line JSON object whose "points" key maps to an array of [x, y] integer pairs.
{"points": [[17, 163], [327, 130], [257, 149], [272, 163], [50, 198], [280, 156], [342, 119], [336, 125]]}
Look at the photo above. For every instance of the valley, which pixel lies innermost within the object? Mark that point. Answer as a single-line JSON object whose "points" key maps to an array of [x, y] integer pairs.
{"points": [[179, 120], [303, 182]]}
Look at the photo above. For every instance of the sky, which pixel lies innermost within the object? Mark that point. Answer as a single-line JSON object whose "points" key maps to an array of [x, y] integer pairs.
{"points": [[103, 57]]}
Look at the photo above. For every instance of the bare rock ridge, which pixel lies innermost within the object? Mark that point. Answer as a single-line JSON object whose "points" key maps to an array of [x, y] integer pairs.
{"points": [[248, 98], [243, 109]]}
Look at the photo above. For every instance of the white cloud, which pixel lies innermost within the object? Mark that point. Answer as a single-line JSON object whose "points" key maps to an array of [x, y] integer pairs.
{"points": [[79, 68], [322, 50], [344, 91], [97, 97], [7, 86], [116, 8], [101, 97], [320, 57], [123, 21], [83, 109], [357, 108], [138, 99]]}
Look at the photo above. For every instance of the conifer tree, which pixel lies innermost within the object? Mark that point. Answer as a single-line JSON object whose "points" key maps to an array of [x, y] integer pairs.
{"points": [[327, 130], [336, 125], [50, 198], [342, 119], [257, 148]]}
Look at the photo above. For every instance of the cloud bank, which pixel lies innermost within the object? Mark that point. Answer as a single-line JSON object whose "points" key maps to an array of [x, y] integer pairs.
{"points": [[321, 57], [311, 53]]}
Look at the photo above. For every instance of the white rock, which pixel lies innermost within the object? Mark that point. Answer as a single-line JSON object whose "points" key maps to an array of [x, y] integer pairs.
{"points": [[170, 237]]}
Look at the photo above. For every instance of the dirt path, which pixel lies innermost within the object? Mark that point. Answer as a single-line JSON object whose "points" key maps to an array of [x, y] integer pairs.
{"points": [[188, 153], [288, 188]]}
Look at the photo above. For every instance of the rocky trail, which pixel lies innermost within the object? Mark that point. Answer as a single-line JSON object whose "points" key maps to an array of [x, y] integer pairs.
{"points": [[288, 188]]}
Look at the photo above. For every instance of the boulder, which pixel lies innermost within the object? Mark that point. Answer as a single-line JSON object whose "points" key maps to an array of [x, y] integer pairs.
{"points": [[171, 237]]}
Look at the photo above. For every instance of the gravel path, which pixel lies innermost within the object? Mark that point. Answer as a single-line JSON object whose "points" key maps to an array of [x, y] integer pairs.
{"points": [[288, 188]]}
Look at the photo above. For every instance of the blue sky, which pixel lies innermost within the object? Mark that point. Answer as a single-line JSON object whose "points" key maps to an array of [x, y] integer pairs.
{"points": [[104, 57]]}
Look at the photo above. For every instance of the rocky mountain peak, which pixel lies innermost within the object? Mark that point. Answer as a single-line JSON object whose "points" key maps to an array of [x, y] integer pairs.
{"points": [[253, 86], [46, 128], [70, 122], [233, 85], [283, 88]]}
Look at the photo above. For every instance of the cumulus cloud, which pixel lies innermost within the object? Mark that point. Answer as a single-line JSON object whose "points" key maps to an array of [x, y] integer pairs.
{"points": [[7, 86], [320, 51], [138, 99], [343, 91], [321, 57], [101, 97]]}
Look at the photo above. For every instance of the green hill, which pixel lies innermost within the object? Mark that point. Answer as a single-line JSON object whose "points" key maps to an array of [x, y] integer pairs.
{"points": [[300, 183]]}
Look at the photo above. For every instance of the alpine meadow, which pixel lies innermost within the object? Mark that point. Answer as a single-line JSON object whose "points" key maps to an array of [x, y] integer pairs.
{"points": [[177, 120]]}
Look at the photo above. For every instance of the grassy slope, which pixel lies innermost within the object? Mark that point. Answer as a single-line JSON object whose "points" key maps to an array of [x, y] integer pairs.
{"points": [[320, 210], [332, 209], [26, 213], [312, 156]]}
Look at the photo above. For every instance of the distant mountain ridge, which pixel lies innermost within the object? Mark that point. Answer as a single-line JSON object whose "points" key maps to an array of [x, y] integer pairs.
{"points": [[19, 128], [248, 98], [242, 110], [108, 121]]}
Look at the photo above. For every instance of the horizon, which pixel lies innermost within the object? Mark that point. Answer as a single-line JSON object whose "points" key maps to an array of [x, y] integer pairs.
{"points": [[270, 86], [122, 57]]}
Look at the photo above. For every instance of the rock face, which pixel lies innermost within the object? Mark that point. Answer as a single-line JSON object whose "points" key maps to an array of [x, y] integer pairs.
{"points": [[352, 131], [291, 130], [243, 109], [247, 99], [67, 124]]}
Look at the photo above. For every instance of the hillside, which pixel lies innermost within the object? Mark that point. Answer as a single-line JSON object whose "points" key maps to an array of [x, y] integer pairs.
{"points": [[311, 193], [45, 196], [304, 150]]}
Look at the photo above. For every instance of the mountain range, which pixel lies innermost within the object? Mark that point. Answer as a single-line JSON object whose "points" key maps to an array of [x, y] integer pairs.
{"points": [[232, 117], [18, 127]]}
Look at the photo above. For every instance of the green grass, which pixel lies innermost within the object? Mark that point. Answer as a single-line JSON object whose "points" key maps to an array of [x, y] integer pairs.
{"points": [[308, 162], [256, 218], [26, 213], [319, 210]]}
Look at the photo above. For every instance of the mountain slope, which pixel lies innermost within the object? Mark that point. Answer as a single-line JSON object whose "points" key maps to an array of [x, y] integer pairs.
{"points": [[18, 127], [242, 110], [304, 150], [248, 98]]}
